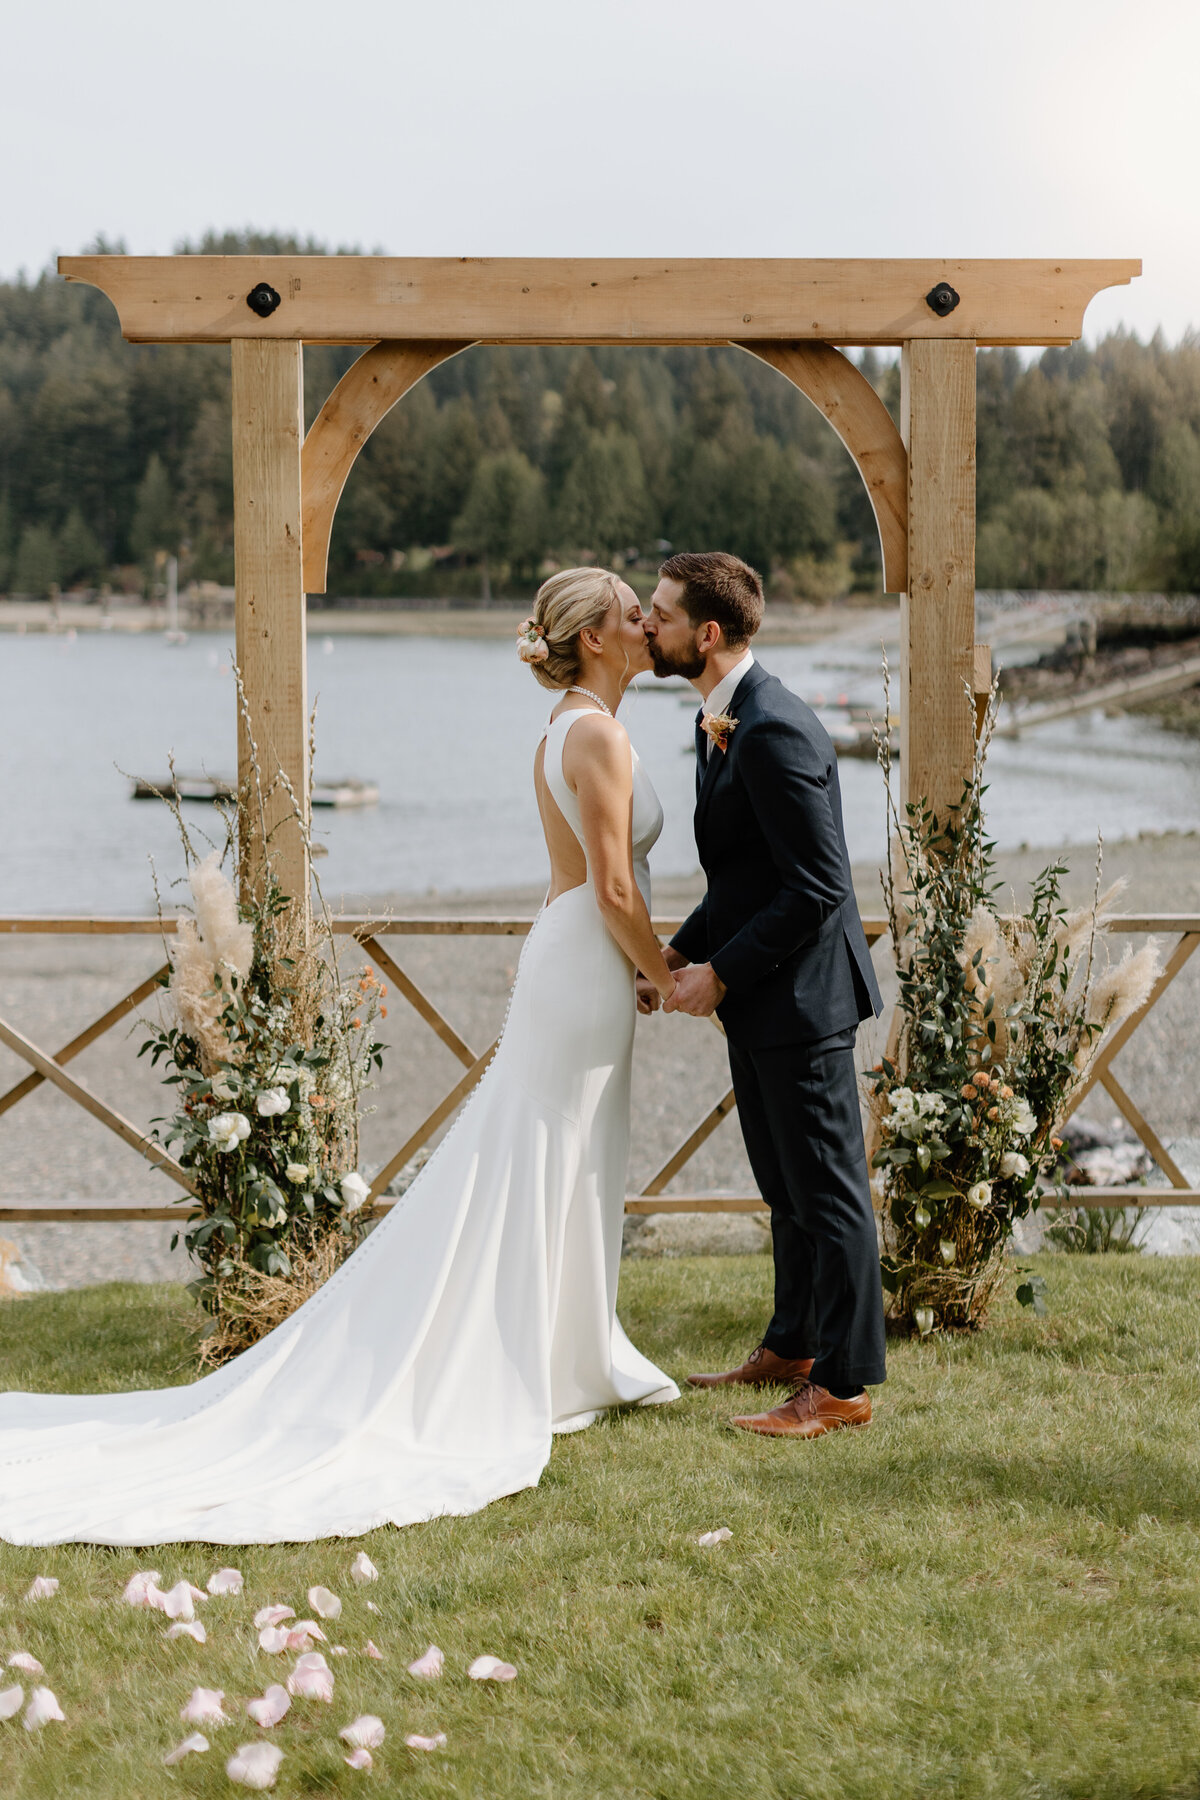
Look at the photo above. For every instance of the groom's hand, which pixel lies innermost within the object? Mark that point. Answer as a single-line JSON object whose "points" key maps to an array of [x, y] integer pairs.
{"points": [[699, 990]]}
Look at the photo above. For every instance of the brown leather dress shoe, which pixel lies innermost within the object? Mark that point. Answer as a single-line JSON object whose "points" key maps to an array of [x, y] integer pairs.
{"points": [[762, 1368], [811, 1412]]}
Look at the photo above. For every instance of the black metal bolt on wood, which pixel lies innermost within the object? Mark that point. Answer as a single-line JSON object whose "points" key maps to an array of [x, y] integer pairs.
{"points": [[942, 299], [263, 300]]}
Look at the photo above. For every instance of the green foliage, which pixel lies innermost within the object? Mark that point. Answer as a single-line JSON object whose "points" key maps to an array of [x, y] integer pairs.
{"points": [[1000, 1018], [154, 527], [36, 570]]}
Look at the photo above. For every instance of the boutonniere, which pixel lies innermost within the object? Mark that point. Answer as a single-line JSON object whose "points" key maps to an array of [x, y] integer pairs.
{"points": [[719, 728]]}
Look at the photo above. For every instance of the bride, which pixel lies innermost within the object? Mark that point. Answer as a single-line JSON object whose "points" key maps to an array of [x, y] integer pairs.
{"points": [[479, 1317]]}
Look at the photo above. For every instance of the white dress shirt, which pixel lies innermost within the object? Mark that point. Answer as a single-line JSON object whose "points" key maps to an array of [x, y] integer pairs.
{"points": [[718, 701]]}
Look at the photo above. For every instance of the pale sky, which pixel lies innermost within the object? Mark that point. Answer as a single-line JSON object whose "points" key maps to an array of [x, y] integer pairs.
{"points": [[618, 127]]}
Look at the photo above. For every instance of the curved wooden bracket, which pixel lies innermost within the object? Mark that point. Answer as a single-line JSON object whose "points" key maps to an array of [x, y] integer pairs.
{"points": [[366, 394], [845, 396]]}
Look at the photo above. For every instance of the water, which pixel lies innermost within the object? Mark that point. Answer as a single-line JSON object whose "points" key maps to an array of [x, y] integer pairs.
{"points": [[448, 729]]}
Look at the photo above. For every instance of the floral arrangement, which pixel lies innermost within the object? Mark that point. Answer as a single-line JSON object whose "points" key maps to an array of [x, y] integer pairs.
{"points": [[718, 728], [270, 1047], [531, 642], [1001, 1015]]}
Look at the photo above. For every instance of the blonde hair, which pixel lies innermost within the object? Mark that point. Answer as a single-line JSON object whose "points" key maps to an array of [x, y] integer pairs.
{"points": [[567, 604]]}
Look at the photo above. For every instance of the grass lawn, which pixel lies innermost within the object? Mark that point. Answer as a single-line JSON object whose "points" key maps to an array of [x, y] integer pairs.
{"points": [[993, 1591]]}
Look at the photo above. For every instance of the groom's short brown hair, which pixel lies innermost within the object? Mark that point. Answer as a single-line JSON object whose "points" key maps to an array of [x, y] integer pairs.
{"points": [[719, 587]]}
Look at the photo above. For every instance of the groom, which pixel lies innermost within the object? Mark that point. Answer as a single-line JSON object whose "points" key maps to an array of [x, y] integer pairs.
{"points": [[776, 948]]}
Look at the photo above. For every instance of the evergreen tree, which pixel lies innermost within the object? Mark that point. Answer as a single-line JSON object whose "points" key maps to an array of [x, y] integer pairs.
{"points": [[502, 522], [603, 507], [36, 571], [80, 554], [154, 525]]}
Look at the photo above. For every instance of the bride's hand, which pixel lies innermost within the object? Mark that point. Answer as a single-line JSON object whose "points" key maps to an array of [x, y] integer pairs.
{"points": [[648, 997]]}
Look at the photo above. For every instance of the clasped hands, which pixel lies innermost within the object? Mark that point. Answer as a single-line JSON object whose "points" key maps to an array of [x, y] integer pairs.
{"points": [[699, 990]]}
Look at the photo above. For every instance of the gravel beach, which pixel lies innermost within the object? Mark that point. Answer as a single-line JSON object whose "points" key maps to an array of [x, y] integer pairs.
{"points": [[50, 987]]}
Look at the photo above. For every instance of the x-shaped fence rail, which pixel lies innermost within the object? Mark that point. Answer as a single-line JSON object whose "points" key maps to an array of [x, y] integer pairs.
{"points": [[52, 1067]]}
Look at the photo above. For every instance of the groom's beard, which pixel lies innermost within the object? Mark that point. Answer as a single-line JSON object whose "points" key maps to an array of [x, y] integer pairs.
{"points": [[687, 666]]}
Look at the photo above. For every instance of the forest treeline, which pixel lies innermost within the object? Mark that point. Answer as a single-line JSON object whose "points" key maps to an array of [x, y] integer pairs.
{"points": [[505, 461]]}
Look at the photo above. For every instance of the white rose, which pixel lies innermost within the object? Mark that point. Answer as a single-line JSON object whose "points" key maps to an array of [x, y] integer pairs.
{"points": [[980, 1194], [354, 1191], [228, 1130], [931, 1106], [1023, 1120], [271, 1101], [297, 1172], [1013, 1163], [220, 1088], [903, 1102]]}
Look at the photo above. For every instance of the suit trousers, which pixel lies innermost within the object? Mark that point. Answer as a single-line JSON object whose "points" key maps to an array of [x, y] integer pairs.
{"points": [[798, 1107]]}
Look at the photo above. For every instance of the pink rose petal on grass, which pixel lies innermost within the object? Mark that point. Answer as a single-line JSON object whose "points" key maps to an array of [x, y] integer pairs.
{"points": [[416, 1742], [429, 1666], [180, 1601], [41, 1709], [359, 1759], [709, 1539], [324, 1604], [190, 1745], [42, 1587], [11, 1700], [300, 1635], [23, 1660], [271, 1708], [490, 1668], [273, 1615], [273, 1639], [191, 1628], [363, 1569], [338, 1650], [312, 1678], [371, 1607], [372, 1650], [203, 1707], [139, 1587], [254, 1765], [365, 1732], [225, 1581]]}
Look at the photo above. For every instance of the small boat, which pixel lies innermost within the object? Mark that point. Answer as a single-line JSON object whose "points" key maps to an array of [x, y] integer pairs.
{"points": [[216, 787]]}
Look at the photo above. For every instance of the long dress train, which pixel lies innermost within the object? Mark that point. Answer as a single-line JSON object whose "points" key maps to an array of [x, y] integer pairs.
{"points": [[428, 1375]]}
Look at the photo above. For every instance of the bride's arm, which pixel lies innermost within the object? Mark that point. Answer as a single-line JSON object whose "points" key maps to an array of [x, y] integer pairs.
{"points": [[597, 764]]}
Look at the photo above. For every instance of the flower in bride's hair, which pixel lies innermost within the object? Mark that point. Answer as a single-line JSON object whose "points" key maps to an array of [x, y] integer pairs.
{"points": [[531, 642]]}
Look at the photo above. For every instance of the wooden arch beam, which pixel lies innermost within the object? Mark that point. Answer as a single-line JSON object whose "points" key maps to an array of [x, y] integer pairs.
{"points": [[363, 397], [842, 392]]}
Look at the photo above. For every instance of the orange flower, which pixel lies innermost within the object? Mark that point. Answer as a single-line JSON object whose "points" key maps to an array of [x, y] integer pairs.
{"points": [[356, 1024], [1056, 1143], [993, 1112], [383, 990], [969, 1092], [316, 1099], [1006, 1093], [383, 1012]]}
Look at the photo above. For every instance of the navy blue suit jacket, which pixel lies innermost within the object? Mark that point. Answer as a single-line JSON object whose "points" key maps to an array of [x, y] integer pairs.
{"points": [[779, 922]]}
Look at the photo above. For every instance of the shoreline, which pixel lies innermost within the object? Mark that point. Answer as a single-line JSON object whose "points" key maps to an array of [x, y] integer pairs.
{"points": [[783, 624]]}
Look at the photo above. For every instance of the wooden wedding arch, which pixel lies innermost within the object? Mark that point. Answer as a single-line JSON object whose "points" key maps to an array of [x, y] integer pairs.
{"points": [[411, 314]]}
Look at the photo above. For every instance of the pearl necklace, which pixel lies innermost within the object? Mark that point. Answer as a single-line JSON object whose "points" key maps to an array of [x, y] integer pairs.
{"points": [[589, 695]]}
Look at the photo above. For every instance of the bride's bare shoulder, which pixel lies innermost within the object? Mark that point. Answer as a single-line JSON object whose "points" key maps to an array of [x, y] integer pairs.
{"points": [[597, 738]]}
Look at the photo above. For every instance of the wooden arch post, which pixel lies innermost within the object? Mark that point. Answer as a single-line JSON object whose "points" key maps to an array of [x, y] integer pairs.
{"points": [[798, 315]]}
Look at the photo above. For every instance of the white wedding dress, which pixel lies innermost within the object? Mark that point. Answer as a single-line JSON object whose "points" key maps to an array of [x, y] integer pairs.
{"points": [[429, 1374]]}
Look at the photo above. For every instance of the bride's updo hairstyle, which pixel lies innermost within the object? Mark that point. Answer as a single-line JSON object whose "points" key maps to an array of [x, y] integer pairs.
{"points": [[567, 604]]}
